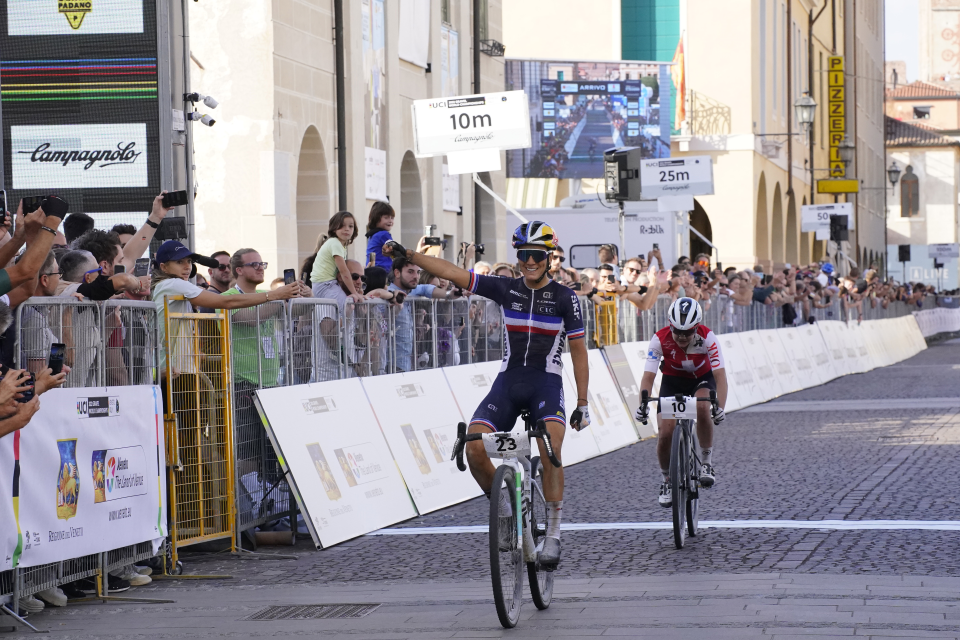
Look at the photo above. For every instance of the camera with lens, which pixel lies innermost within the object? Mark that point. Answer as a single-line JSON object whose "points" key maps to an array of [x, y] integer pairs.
{"points": [[478, 249]]}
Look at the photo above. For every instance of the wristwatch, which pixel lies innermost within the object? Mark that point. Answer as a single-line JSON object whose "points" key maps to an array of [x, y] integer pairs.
{"points": [[155, 225]]}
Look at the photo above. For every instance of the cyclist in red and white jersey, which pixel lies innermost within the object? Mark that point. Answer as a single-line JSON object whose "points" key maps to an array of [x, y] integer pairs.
{"points": [[692, 365]]}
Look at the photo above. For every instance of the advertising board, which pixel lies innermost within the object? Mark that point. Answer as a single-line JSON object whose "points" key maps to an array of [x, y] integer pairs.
{"points": [[80, 111]]}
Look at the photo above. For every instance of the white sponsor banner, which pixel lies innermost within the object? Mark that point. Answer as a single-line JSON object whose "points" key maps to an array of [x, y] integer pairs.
{"points": [[577, 445], [9, 534], [781, 361], [470, 123], [858, 339], [848, 342], [740, 375], [419, 417], [636, 356], [951, 250], [92, 474], [767, 377], [84, 156], [375, 174], [451, 190], [689, 175], [833, 337], [414, 41], [807, 374], [817, 348], [611, 425], [73, 17], [345, 478]]}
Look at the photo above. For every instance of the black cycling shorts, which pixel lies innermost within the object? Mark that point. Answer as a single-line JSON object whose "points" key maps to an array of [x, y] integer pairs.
{"points": [[672, 385], [521, 388]]}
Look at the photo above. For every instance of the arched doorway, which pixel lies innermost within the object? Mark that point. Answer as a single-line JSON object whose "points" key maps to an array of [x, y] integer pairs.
{"points": [[776, 228], [761, 228], [411, 201], [313, 194], [700, 221], [793, 233]]}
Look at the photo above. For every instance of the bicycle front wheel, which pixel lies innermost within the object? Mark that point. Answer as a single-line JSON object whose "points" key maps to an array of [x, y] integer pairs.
{"points": [[679, 479], [506, 554], [693, 499], [541, 582]]}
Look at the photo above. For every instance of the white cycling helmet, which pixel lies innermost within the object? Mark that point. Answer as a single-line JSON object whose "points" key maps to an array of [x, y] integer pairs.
{"points": [[684, 314]]}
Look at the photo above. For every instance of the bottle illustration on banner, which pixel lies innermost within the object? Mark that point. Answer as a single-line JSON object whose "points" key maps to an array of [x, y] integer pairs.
{"points": [[349, 467], [99, 476], [594, 403], [433, 439], [68, 482], [414, 443], [327, 480]]}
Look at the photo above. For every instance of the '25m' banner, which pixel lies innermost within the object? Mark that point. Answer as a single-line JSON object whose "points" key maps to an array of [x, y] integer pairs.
{"points": [[85, 476]]}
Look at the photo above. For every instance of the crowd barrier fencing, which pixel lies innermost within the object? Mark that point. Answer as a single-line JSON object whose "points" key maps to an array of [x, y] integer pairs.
{"points": [[347, 482], [224, 470], [102, 353], [199, 425]]}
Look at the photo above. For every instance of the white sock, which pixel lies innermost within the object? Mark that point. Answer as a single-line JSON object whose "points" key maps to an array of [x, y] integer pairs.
{"points": [[666, 474], [705, 457], [554, 513]]}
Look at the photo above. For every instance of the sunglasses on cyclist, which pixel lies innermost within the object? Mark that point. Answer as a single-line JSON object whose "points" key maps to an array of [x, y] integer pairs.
{"points": [[684, 333], [538, 255]]}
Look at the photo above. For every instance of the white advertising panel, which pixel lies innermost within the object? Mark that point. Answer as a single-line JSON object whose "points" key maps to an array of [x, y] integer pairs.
{"points": [[762, 365], [781, 361], [808, 374], [470, 123], [689, 175], [451, 190], [817, 348], [577, 445], [92, 475], [950, 250], [636, 356], [914, 328], [343, 474], [612, 426], [816, 217], [740, 375], [857, 338], [73, 17], [875, 343], [375, 174], [9, 533], [85, 156], [470, 384], [419, 417], [831, 330]]}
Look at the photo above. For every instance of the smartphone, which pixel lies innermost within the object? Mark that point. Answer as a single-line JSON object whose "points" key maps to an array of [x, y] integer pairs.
{"points": [[432, 241], [656, 246], [174, 199], [52, 205], [57, 351], [289, 276], [720, 265], [31, 203], [577, 286], [611, 278], [142, 267], [119, 269], [6, 212]]}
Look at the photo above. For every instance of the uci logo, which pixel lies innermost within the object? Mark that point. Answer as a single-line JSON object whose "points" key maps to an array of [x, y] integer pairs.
{"points": [[437, 105], [81, 407]]}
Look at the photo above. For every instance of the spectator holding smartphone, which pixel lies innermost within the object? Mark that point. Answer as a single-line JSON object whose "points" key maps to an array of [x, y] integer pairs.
{"points": [[331, 259], [38, 230]]}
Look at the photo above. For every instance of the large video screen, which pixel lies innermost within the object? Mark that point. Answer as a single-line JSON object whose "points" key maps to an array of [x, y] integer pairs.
{"points": [[79, 105], [579, 109]]}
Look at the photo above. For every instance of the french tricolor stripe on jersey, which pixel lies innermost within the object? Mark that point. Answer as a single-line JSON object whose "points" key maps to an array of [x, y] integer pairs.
{"points": [[532, 323], [486, 423], [577, 333], [555, 419], [473, 282]]}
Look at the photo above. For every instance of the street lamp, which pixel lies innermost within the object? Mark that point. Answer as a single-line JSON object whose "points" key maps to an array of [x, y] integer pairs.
{"points": [[806, 108], [846, 150], [893, 173]]}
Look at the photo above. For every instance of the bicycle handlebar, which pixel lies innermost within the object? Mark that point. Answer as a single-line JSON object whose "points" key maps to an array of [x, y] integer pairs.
{"points": [[463, 438], [646, 399]]}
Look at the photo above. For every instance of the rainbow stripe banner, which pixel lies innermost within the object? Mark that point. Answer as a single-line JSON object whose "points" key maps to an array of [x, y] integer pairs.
{"points": [[89, 79]]}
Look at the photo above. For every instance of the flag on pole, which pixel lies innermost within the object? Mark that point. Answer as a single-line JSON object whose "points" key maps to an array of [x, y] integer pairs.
{"points": [[679, 77]]}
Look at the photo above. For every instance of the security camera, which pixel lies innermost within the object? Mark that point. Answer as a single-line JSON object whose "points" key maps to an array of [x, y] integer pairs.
{"points": [[194, 115], [199, 97], [207, 120]]}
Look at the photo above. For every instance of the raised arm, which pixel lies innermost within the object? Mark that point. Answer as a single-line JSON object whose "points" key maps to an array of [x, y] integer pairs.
{"points": [[437, 266], [40, 231], [139, 243]]}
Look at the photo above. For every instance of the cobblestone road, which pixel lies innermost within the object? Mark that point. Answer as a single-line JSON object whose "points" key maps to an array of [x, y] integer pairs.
{"points": [[795, 464]]}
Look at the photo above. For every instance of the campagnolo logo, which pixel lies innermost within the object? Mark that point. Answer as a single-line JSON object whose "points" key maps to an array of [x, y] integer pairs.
{"points": [[125, 153]]}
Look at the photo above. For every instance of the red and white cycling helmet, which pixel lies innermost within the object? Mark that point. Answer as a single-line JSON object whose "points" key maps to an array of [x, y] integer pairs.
{"points": [[684, 314]]}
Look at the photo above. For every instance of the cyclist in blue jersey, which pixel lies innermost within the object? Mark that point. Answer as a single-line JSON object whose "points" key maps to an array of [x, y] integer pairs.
{"points": [[539, 317]]}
